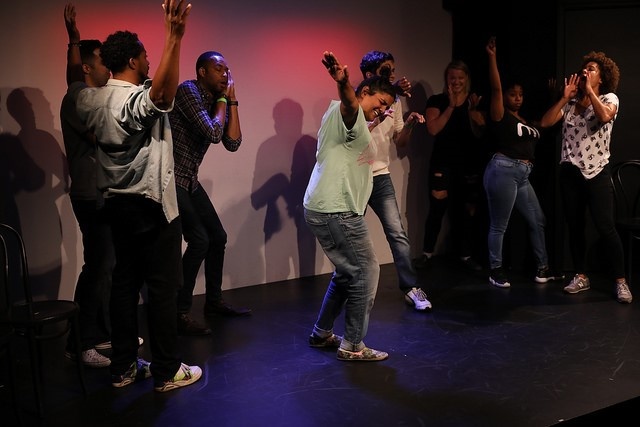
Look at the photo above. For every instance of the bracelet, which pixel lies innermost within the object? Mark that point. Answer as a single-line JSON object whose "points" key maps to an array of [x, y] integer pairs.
{"points": [[222, 99], [233, 103], [70, 45]]}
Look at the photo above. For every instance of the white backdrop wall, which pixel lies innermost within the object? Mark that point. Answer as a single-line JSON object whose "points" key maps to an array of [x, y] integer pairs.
{"points": [[274, 51]]}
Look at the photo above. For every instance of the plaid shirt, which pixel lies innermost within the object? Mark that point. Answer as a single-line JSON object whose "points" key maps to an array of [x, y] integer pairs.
{"points": [[193, 130]]}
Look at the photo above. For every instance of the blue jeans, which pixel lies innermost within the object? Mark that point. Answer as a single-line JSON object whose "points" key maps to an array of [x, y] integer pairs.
{"points": [[344, 237], [148, 252], [506, 182], [384, 204], [206, 241]]}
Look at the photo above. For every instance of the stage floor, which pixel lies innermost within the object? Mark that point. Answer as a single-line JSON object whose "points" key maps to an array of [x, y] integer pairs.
{"points": [[529, 355]]}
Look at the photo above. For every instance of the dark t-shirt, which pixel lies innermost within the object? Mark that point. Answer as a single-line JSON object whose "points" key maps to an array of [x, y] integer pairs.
{"points": [[456, 146], [514, 138]]}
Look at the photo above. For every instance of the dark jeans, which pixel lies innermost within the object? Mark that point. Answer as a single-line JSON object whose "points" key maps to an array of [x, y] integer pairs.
{"points": [[94, 282], [148, 251], [578, 194], [206, 241], [464, 194]]}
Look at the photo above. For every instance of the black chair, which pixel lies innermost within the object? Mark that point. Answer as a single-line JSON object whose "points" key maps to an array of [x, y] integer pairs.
{"points": [[37, 321], [626, 184], [6, 357]]}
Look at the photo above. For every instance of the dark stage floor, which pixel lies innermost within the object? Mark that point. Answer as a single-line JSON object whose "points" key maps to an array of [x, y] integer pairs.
{"points": [[525, 356]]}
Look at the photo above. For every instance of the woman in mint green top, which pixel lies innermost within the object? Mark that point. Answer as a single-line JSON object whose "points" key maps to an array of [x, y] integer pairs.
{"points": [[335, 202]]}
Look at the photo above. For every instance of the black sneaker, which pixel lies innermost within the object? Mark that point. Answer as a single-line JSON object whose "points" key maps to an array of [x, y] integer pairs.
{"points": [[498, 278], [470, 264], [422, 263], [545, 275], [189, 326], [223, 309], [332, 341]]}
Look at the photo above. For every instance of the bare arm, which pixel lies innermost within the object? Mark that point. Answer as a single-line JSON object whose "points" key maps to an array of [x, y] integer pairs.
{"points": [[74, 61], [604, 112], [554, 114], [496, 105], [436, 119], [349, 102], [402, 138], [165, 81]]}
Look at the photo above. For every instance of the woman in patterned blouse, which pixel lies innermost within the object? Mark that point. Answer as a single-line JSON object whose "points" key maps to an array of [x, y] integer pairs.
{"points": [[588, 108]]}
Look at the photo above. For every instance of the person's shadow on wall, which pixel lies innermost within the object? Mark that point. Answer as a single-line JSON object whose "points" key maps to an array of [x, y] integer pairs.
{"points": [[273, 190], [41, 181]]}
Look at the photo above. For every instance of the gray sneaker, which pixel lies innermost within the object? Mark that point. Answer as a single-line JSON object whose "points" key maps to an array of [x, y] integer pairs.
{"points": [[623, 293], [577, 284]]}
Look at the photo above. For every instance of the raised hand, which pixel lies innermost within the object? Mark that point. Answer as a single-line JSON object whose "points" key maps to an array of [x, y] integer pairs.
{"points": [[70, 23], [336, 70], [231, 87], [474, 101], [491, 46], [571, 86], [175, 16], [403, 87]]}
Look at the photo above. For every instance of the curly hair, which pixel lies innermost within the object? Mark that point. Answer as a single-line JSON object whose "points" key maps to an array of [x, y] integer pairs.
{"points": [[609, 71], [118, 48]]}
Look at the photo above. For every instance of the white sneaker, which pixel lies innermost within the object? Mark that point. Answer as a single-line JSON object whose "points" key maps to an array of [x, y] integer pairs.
{"points": [[185, 376], [90, 358], [418, 299], [623, 293], [107, 344]]}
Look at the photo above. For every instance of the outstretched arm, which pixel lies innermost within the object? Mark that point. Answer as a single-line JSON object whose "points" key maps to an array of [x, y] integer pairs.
{"points": [[496, 105], [74, 61], [165, 81], [349, 107]]}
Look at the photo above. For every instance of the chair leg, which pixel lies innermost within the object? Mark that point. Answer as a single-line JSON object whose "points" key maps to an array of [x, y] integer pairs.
{"points": [[11, 378], [630, 258], [36, 371], [75, 328]]}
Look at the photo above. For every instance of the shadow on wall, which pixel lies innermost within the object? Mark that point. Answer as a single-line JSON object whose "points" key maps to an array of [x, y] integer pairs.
{"points": [[284, 163], [35, 177]]}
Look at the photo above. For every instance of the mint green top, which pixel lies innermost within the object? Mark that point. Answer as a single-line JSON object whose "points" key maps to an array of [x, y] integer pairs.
{"points": [[341, 180]]}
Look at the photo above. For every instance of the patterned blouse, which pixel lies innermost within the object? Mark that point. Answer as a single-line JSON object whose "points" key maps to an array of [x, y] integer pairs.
{"points": [[585, 140]]}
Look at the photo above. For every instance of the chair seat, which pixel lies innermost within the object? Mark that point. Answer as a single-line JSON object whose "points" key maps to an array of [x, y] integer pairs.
{"points": [[43, 312]]}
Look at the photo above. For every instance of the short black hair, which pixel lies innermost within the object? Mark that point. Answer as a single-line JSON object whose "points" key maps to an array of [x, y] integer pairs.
{"points": [[118, 48], [206, 57], [87, 47], [372, 60]]}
